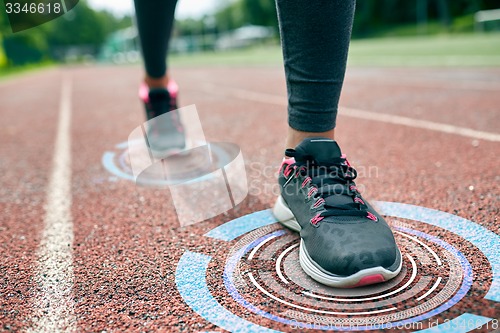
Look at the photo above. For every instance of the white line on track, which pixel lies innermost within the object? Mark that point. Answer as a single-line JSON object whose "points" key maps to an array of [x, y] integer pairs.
{"points": [[418, 123], [365, 115], [53, 306]]}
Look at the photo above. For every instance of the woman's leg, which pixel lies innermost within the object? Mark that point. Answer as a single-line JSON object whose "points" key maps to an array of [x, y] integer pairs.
{"points": [[344, 241], [165, 131], [315, 38], [154, 22]]}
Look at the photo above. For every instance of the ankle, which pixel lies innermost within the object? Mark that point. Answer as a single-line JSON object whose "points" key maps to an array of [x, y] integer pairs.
{"points": [[294, 137], [161, 82]]}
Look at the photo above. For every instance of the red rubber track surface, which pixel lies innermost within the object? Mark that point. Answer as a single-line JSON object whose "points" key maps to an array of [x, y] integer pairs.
{"points": [[127, 240]]}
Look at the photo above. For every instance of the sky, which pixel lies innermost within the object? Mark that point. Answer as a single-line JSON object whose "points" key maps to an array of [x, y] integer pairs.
{"points": [[185, 8]]}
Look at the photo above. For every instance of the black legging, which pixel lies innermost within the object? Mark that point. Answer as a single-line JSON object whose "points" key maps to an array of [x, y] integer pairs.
{"points": [[315, 37], [155, 19]]}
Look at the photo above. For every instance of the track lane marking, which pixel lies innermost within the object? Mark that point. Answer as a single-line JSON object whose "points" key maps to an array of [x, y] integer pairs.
{"points": [[422, 124], [54, 306], [362, 114]]}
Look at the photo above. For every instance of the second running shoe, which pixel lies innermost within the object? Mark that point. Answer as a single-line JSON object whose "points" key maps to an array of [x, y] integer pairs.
{"points": [[165, 132]]}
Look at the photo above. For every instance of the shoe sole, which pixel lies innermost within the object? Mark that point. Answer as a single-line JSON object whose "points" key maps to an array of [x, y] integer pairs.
{"points": [[364, 277], [169, 152]]}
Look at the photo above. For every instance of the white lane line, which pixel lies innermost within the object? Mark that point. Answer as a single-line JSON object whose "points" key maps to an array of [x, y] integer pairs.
{"points": [[54, 307], [413, 276], [434, 254], [438, 281], [365, 115], [418, 123], [256, 284], [278, 262], [254, 251]]}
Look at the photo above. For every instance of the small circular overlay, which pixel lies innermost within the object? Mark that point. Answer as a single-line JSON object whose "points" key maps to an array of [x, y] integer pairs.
{"points": [[217, 168], [265, 289], [194, 165]]}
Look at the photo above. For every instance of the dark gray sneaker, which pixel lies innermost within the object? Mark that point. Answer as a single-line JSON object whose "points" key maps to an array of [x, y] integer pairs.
{"points": [[165, 132], [344, 242]]}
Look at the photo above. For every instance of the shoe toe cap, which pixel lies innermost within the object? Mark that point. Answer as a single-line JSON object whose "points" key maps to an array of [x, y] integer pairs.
{"points": [[345, 251]]}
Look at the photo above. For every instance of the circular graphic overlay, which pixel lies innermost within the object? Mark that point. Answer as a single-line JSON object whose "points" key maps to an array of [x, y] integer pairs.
{"points": [[265, 289], [190, 165], [268, 264]]}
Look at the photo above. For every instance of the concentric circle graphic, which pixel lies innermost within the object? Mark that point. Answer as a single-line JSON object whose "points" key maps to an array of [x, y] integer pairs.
{"points": [[192, 166], [265, 290]]}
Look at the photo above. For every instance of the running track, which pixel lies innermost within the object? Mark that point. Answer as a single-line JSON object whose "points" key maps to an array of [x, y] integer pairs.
{"points": [[85, 252]]}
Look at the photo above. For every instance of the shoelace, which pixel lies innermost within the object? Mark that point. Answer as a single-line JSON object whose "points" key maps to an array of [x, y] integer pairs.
{"points": [[329, 179]]}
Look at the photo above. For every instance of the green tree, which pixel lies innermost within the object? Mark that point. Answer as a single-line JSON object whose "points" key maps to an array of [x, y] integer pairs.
{"points": [[260, 12], [81, 26], [231, 16]]}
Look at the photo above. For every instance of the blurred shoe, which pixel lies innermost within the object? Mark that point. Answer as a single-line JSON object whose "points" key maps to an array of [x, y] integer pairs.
{"points": [[344, 242], [165, 132]]}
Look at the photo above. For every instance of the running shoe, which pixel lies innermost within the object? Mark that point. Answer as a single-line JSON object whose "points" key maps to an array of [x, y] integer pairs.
{"points": [[344, 242], [165, 132]]}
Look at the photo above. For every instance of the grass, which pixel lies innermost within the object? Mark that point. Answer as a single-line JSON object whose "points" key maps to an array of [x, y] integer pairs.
{"points": [[455, 50], [255, 56], [441, 50], [8, 72]]}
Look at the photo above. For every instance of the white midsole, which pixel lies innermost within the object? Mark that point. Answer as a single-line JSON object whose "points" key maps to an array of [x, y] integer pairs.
{"points": [[285, 216]]}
